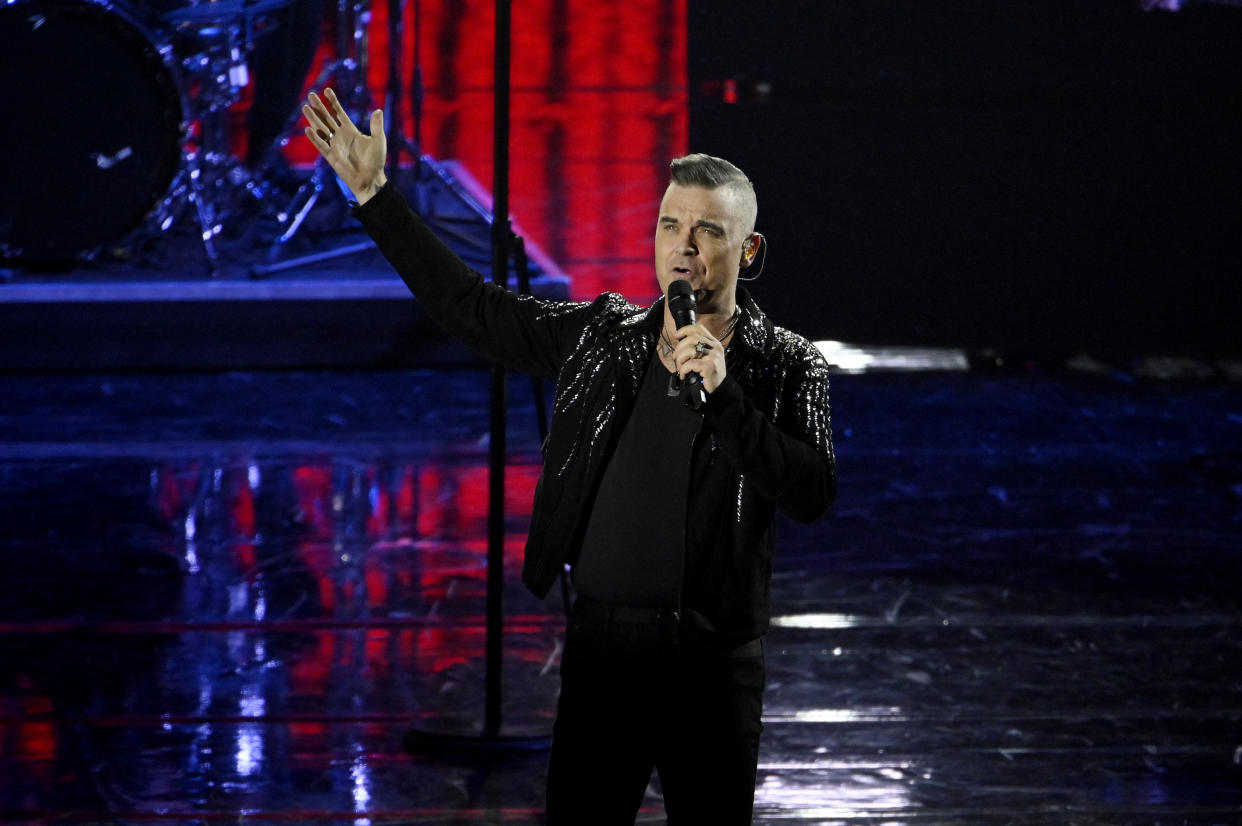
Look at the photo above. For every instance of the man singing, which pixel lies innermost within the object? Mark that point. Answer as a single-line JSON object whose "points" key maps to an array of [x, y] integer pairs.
{"points": [[664, 510]]}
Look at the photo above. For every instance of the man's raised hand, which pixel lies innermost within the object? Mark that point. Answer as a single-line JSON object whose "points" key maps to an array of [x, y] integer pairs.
{"points": [[357, 158]]}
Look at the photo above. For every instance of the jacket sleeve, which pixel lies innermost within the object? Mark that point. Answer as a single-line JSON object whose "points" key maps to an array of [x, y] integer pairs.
{"points": [[793, 464], [521, 332]]}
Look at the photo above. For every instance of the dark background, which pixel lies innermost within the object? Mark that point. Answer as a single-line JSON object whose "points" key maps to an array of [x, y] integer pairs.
{"points": [[1050, 177]]}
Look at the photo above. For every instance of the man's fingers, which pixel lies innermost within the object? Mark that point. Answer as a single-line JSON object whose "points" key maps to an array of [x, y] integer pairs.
{"points": [[332, 118], [313, 135], [314, 127], [338, 111], [328, 122], [315, 104], [317, 117]]}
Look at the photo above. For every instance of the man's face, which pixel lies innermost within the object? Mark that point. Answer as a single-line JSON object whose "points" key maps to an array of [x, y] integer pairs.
{"points": [[699, 237]]}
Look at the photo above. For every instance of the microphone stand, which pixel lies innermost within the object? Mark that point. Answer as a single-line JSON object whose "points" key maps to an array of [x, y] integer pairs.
{"points": [[501, 235], [502, 245]]}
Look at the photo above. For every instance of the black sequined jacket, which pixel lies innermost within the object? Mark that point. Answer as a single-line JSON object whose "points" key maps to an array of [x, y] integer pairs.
{"points": [[766, 441]]}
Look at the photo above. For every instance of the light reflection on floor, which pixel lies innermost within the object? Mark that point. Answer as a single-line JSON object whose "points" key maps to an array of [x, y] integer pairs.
{"points": [[823, 621], [222, 627], [836, 715]]}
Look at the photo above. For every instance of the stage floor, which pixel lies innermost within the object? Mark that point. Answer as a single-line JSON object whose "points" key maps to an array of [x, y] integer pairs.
{"points": [[226, 597]]}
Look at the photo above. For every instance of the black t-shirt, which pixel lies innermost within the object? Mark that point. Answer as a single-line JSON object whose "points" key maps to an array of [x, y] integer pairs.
{"points": [[634, 549]]}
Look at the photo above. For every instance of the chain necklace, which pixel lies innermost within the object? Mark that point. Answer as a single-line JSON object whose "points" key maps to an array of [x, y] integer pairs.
{"points": [[666, 346]]}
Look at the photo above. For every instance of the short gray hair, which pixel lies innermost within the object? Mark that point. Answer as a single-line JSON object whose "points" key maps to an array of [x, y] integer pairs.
{"points": [[711, 172]]}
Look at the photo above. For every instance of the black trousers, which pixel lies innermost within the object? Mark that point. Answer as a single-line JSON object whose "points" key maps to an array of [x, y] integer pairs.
{"points": [[639, 694]]}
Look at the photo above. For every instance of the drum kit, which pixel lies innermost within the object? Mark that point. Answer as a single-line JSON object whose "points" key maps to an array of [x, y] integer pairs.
{"points": [[120, 126]]}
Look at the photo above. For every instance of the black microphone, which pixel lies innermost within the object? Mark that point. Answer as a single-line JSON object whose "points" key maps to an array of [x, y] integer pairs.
{"points": [[682, 305]]}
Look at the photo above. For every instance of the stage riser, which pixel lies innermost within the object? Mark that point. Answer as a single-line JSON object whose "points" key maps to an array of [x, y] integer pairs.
{"points": [[222, 335]]}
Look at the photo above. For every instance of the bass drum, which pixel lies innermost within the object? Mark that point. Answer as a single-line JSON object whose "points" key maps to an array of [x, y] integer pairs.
{"points": [[94, 133]]}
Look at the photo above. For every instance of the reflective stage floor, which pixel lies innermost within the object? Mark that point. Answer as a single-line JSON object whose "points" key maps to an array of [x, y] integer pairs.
{"points": [[226, 597]]}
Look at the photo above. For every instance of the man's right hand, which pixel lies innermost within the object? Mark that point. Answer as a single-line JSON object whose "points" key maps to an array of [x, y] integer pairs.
{"points": [[357, 158]]}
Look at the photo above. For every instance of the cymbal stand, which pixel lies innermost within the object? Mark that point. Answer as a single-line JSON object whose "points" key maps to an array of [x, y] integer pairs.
{"points": [[348, 70], [397, 141], [216, 65]]}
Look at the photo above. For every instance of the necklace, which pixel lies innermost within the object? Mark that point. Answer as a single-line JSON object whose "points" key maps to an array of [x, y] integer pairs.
{"points": [[666, 346]]}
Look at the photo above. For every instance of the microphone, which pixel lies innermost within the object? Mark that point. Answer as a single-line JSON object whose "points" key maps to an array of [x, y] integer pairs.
{"points": [[683, 307]]}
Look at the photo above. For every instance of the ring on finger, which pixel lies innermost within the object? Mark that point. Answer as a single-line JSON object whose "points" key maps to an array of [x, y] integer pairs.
{"points": [[702, 348]]}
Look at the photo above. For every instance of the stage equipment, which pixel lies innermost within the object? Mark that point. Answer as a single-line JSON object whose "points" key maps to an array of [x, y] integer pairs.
{"points": [[350, 67], [128, 130], [96, 139], [397, 142], [212, 40], [503, 248], [346, 73], [130, 127], [208, 15]]}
